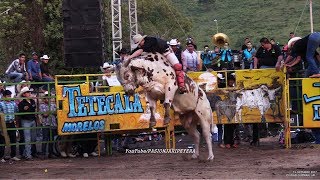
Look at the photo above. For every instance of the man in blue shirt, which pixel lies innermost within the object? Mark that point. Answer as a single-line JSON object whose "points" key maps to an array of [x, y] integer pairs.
{"points": [[206, 57], [34, 68]]}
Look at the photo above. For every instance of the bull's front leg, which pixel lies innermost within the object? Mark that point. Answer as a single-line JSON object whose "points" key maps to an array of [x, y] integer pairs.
{"points": [[153, 107], [170, 90]]}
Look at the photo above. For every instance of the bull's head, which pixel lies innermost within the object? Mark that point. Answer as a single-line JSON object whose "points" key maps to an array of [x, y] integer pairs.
{"points": [[128, 78]]}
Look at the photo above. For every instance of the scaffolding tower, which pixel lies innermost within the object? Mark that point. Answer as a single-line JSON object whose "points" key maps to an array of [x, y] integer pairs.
{"points": [[133, 20], [117, 26]]}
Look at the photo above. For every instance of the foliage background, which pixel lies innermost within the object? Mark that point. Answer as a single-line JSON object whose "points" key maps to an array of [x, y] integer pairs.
{"points": [[36, 25]]}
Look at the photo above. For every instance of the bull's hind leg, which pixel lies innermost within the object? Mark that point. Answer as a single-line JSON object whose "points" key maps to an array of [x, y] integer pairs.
{"points": [[170, 90], [191, 128], [205, 118]]}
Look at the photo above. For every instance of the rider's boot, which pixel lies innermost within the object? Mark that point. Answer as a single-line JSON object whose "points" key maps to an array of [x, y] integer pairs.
{"points": [[180, 78]]}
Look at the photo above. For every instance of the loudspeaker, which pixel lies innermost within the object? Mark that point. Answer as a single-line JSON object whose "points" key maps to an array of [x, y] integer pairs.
{"points": [[83, 33]]}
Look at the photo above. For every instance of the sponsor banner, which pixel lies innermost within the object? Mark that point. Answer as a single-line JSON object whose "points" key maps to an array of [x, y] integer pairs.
{"points": [[311, 102], [246, 96], [80, 111]]}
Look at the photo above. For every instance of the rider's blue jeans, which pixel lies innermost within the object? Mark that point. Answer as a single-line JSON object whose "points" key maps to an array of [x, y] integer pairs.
{"points": [[313, 63]]}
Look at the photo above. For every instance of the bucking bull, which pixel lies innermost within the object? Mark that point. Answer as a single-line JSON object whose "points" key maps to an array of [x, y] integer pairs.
{"points": [[158, 79]]}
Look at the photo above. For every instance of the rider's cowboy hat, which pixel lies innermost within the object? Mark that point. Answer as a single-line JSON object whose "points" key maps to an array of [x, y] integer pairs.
{"points": [[20, 84], [292, 40], [45, 57], [138, 38], [24, 90]]}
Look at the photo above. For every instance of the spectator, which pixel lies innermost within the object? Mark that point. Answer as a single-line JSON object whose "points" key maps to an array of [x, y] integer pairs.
{"points": [[216, 59], [176, 49], [248, 55], [21, 85], [27, 105], [17, 69], [229, 129], [106, 69], [268, 55], [45, 72], [291, 35], [306, 48], [49, 121], [190, 58], [2, 88], [9, 107], [66, 147], [34, 68], [226, 57], [244, 46], [88, 147], [206, 57], [2, 148]]}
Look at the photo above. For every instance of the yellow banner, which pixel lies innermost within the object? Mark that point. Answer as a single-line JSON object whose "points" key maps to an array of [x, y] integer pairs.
{"points": [[247, 96], [311, 102], [242, 96], [81, 111]]}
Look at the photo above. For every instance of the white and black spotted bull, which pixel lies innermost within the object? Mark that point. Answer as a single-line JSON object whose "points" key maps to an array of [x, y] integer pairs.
{"points": [[155, 74]]}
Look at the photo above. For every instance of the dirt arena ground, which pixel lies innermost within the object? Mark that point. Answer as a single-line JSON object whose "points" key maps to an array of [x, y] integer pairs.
{"points": [[264, 162]]}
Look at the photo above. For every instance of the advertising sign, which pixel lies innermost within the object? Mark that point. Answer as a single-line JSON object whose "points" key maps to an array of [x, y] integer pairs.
{"points": [[311, 102]]}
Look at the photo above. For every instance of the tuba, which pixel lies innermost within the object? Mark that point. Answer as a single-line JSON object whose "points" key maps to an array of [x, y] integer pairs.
{"points": [[219, 39]]}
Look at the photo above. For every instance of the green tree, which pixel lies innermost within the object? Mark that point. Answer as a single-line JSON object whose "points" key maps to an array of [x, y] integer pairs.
{"points": [[21, 25]]}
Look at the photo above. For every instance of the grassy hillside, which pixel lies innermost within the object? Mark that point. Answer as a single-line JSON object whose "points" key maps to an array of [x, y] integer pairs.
{"points": [[253, 18]]}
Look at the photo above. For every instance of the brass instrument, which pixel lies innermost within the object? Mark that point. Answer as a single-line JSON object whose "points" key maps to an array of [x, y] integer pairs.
{"points": [[220, 39]]}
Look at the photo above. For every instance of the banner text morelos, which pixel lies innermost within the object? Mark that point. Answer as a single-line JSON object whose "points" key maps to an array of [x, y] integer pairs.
{"points": [[99, 105]]}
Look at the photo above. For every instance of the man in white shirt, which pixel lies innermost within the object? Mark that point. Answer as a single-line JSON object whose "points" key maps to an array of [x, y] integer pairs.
{"points": [[17, 69], [190, 58]]}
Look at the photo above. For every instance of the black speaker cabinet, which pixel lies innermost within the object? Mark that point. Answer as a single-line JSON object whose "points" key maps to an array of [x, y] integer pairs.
{"points": [[83, 33]]}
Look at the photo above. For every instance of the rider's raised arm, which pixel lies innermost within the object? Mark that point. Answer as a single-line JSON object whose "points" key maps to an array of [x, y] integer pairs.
{"points": [[136, 54]]}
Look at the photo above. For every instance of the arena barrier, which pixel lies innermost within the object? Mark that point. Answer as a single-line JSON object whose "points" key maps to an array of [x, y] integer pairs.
{"points": [[83, 107], [86, 105], [303, 104]]}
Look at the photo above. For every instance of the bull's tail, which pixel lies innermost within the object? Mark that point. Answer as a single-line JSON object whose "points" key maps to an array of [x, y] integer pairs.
{"points": [[212, 124]]}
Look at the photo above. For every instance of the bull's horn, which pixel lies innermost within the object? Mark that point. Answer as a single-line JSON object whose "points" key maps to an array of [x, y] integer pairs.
{"points": [[126, 63]]}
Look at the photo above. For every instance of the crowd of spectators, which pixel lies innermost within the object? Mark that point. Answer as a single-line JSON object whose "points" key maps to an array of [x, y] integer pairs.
{"points": [[35, 108], [268, 55]]}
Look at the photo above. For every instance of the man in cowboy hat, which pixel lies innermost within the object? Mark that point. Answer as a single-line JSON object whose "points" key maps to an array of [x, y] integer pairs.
{"points": [[27, 121], [306, 48], [45, 72], [21, 85], [46, 75], [152, 44]]}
